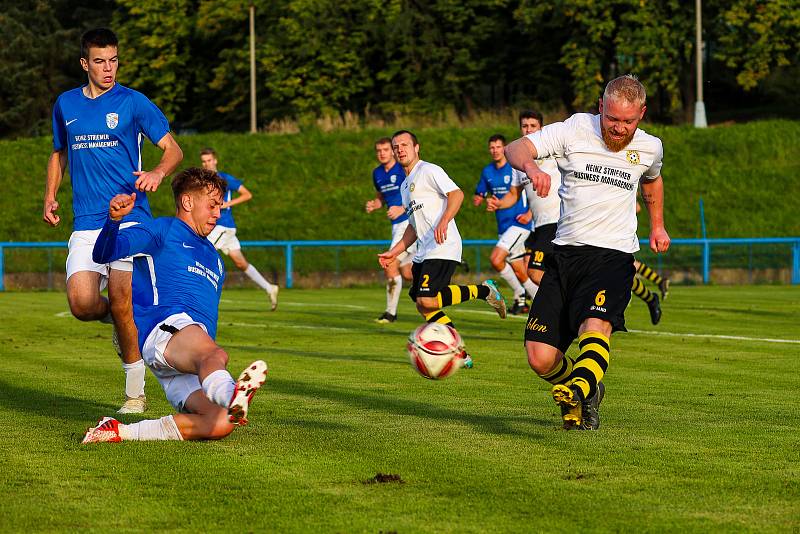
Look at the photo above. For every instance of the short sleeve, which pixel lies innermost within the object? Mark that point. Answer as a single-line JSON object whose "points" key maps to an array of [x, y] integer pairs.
{"points": [[440, 180], [551, 140], [149, 118], [59, 129], [654, 171], [483, 184]]}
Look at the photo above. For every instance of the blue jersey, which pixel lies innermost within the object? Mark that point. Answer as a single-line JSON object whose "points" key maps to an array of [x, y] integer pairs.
{"points": [[182, 272], [226, 215], [497, 182], [388, 183], [103, 140]]}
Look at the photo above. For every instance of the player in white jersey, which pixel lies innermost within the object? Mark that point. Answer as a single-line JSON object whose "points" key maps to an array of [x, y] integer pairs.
{"points": [[224, 233], [546, 210], [603, 160], [432, 200]]}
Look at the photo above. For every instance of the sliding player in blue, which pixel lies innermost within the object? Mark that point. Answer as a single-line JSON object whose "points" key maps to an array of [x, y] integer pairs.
{"points": [[177, 286]]}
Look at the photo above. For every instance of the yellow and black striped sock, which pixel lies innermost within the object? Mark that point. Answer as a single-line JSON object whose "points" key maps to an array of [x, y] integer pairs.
{"points": [[641, 291], [439, 316], [560, 373], [649, 273], [458, 294], [591, 364]]}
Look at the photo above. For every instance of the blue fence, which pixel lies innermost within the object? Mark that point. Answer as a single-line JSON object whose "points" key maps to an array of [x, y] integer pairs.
{"points": [[705, 246]]}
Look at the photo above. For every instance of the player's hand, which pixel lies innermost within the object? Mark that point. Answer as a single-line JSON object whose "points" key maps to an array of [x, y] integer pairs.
{"points": [[539, 179], [477, 200], [120, 206], [49, 214], [394, 212], [148, 180], [492, 203], [440, 232], [386, 258], [372, 205], [659, 240], [525, 218]]}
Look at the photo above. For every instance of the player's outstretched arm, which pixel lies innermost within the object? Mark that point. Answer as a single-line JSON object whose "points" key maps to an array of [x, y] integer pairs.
{"points": [[172, 156], [653, 196], [55, 173], [521, 155], [106, 248], [509, 199], [454, 200], [374, 203], [408, 239]]}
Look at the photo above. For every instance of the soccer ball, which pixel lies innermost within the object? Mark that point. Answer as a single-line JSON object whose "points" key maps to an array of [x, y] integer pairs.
{"points": [[435, 350]]}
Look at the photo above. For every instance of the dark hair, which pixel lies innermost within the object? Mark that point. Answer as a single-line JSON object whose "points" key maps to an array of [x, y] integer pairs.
{"points": [[498, 137], [401, 132], [530, 114], [196, 179], [97, 38], [208, 151], [383, 141]]}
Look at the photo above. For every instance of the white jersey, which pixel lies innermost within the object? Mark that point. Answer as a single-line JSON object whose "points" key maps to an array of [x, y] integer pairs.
{"points": [[548, 209], [598, 189], [424, 194]]}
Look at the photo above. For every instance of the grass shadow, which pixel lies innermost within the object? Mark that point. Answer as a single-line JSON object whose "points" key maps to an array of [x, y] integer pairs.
{"points": [[44, 403]]}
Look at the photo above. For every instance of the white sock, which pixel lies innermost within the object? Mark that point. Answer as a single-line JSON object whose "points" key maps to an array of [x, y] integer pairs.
{"points": [[219, 387], [394, 287], [163, 429], [531, 288], [256, 277], [510, 277], [134, 378]]}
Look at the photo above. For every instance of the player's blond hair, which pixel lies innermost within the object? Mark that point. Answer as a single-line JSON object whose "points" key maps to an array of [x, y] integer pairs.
{"points": [[626, 88]]}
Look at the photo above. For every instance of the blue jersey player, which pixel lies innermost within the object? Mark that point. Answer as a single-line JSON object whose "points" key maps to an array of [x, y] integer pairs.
{"points": [[387, 179], [98, 130], [224, 233], [513, 224], [177, 280]]}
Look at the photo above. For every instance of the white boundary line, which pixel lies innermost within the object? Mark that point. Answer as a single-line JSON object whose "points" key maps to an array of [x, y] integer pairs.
{"points": [[715, 336]]}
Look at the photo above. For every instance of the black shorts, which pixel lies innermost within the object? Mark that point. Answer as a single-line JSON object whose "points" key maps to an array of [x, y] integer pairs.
{"points": [[430, 277], [579, 283], [540, 245]]}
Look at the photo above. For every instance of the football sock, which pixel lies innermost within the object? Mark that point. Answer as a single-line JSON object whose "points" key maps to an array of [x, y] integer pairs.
{"points": [[134, 378], [591, 364], [163, 429], [394, 286], [510, 277], [256, 277], [439, 317], [108, 319], [640, 290], [560, 372], [649, 273], [458, 294], [530, 288], [219, 387]]}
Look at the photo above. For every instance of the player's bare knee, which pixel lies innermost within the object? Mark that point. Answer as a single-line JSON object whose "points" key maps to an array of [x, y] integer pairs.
{"points": [[86, 308], [427, 305], [540, 362]]}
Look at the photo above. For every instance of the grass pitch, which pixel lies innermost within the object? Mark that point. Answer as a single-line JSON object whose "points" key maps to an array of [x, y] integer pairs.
{"points": [[700, 428]]}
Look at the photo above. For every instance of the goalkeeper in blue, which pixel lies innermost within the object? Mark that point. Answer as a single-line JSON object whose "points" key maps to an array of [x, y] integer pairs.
{"points": [[177, 281]]}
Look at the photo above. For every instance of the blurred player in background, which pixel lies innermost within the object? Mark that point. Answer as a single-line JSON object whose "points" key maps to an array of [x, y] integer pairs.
{"points": [[587, 286], [546, 210], [224, 233], [387, 178], [645, 272], [178, 285], [432, 200], [513, 224], [98, 130]]}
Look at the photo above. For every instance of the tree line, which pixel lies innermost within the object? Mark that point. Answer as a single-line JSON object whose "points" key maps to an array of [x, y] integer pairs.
{"points": [[389, 58]]}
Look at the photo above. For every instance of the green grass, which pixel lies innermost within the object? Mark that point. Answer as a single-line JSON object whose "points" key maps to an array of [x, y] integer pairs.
{"points": [[699, 433]]}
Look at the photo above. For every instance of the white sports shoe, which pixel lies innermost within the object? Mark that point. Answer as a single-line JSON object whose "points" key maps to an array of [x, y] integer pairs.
{"points": [[134, 405], [106, 431], [249, 381], [273, 296]]}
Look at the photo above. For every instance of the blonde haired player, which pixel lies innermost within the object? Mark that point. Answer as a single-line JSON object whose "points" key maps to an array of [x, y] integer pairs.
{"points": [[584, 292]]}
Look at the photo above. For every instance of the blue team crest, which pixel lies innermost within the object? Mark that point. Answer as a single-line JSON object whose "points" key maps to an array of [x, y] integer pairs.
{"points": [[506, 179], [393, 178], [112, 119]]}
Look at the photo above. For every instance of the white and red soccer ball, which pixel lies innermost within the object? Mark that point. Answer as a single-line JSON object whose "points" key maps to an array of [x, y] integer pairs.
{"points": [[436, 350]]}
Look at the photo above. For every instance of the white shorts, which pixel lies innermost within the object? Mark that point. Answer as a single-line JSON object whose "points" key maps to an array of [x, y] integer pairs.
{"points": [[177, 385], [513, 241], [79, 258], [397, 234], [224, 239]]}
